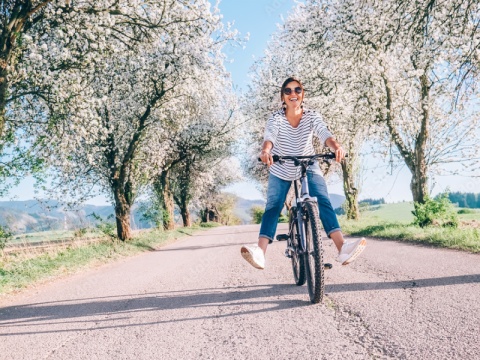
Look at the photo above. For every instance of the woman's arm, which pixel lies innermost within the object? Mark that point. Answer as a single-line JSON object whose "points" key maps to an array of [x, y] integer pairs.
{"points": [[269, 139]]}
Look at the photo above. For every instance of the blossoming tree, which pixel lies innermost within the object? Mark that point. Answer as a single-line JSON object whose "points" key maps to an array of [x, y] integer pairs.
{"points": [[97, 132]]}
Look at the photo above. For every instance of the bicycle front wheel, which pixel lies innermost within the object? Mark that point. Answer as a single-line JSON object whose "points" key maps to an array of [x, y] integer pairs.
{"points": [[298, 265], [314, 255]]}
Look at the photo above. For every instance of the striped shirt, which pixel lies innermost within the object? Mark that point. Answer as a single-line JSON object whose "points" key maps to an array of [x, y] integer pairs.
{"points": [[290, 141]]}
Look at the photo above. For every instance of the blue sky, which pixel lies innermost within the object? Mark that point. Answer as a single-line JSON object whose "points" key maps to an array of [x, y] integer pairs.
{"points": [[260, 19]]}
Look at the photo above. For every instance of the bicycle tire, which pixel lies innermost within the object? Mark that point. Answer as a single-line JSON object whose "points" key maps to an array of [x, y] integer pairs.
{"points": [[314, 267], [298, 265]]}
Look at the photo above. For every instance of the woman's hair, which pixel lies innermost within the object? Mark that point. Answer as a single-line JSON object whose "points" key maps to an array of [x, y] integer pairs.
{"points": [[288, 81]]}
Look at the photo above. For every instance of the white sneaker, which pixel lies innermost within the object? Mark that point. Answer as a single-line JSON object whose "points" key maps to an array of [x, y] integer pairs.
{"points": [[254, 255], [350, 251]]}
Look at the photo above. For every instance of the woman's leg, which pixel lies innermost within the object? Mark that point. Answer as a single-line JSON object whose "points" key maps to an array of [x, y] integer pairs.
{"points": [[347, 251], [318, 188], [276, 194]]}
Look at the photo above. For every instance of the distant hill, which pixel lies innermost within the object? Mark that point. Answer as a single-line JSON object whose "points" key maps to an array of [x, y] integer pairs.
{"points": [[337, 200], [32, 215]]}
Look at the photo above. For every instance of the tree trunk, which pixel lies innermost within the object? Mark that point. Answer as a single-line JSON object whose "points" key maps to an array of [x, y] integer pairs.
{"points": [[210, 213], [166, 199], [168, 210], [187, 221], [204, 215], [414, 159], [419, 183], [122, 215], [3, 97], [14, 17], [182, 203], [351, 192]]}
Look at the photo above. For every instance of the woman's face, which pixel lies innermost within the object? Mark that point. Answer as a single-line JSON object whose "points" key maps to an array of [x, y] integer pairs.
{"points": [[292, 95]]}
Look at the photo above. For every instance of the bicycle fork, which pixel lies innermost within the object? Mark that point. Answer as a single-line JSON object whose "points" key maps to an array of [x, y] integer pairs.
{"points": [[301, 242], [301, 231]]}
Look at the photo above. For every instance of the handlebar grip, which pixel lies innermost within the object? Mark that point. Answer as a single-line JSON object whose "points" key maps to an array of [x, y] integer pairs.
{"points": [[275, 158]]}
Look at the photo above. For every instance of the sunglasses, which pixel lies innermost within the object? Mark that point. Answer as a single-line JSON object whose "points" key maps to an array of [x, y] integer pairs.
{"points": [[288, 91]]}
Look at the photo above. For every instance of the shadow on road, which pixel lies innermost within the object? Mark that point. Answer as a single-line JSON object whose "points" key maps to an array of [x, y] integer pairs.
{"points": [[415, 283], [118, 310], [45, 314], [216, 233], [198, 247]]}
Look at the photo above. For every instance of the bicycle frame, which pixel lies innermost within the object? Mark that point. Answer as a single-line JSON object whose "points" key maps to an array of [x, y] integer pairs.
{"points": [[300, 200]]}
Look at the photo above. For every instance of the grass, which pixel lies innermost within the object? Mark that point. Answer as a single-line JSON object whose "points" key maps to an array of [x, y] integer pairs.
{"points": [[19, 270], [50, 236], [210, 225], [394, 221]]}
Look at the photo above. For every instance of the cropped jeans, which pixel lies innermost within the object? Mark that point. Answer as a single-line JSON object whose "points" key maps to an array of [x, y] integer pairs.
{"points": [[277, 193]]}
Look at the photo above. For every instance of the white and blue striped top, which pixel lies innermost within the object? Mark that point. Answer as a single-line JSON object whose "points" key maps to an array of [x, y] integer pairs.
{"points": [[290, 141]]}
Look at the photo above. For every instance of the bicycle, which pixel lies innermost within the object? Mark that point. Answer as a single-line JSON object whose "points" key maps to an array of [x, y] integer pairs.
{"points": [[304, 240]]}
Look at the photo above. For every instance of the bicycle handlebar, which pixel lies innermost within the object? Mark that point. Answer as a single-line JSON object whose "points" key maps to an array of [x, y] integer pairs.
{"points": [[328, 156]]}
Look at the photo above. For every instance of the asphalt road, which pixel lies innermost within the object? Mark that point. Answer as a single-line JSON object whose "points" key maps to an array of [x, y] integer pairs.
{"points": [[198, 299]]}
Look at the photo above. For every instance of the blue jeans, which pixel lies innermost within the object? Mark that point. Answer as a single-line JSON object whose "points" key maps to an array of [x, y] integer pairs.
{"points": [[277, 193]]}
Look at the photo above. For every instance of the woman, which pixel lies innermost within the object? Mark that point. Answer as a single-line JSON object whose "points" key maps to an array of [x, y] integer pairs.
{"points": [[289, 132]]}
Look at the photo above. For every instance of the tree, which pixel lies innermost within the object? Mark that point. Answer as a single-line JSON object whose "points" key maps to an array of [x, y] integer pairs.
{"points": [[210, 126], [420, 60], [43, 39], [471, 200], [102, 132]]}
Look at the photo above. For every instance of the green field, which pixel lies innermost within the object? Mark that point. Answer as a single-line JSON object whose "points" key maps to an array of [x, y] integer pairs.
{"points": [[394, 221], [398, 212], [402, 213]]}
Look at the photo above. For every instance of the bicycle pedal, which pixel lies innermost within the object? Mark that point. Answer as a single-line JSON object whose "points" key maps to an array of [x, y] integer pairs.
{"points": [[287, 254], [327, 266], [282, 237]]}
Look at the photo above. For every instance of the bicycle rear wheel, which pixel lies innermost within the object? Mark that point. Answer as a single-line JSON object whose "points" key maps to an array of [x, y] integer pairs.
{"points": [[298, 262], [314, 257]]}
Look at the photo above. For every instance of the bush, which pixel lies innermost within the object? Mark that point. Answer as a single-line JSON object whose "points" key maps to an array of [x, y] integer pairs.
{"points": [[106, 227], [367, 202], [257, 213], [209, 224], [81, 232], [466, 211], [435, 211], [5, 235]]}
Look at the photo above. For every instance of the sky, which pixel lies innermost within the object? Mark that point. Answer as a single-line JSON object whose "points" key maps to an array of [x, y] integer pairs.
{"points": [[259, 18]]}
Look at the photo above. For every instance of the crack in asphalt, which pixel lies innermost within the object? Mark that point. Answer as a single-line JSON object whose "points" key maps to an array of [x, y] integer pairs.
{"points": [[351, 325]]}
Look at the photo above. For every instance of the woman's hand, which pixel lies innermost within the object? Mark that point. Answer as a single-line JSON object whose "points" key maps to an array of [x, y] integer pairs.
{"points": [[266, 157], [339, 154], [336, 148]]}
